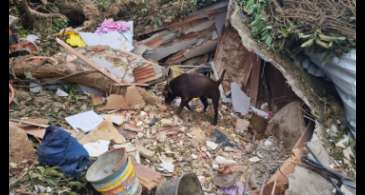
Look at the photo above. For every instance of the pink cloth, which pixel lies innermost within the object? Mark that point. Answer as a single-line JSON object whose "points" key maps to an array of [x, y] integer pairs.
{"points": [[109, 25]]}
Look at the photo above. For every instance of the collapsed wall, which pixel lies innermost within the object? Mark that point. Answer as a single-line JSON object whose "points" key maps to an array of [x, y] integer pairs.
{"points": [[245, 60]]}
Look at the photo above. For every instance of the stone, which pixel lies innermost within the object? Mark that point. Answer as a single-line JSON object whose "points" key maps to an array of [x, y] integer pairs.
{"points": [[287, 124], [242, 125], [306, 182], [211, 145], [254, 159]]}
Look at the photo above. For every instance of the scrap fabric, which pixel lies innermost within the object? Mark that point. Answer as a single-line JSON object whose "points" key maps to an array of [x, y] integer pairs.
{"points": [[59, 148], [109, 25]]}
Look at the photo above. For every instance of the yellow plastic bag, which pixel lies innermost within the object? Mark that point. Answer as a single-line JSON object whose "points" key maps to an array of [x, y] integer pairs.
{"points": [[175, 71], [74, 39]]}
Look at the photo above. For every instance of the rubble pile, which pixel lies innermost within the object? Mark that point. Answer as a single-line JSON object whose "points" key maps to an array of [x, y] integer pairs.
{"points": [[95, 118]]}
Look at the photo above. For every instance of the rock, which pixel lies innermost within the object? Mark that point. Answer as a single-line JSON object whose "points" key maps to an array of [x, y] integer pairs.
{"points": [[198, 135], [228, 149], [167, 165], [348, 153], [134, 99], [35, 88], [347, 191], [161, 137], [211, 145], [242, 125], [254, 159], [287, 124], [343, 143], [61, 93], [220, 160], [144, 151], [258, 125], [306, 182], [267, 143], [249, 147], [167, 122]]}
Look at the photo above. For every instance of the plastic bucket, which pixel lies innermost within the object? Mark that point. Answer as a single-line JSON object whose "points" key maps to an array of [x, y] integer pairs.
{"points": [[114, 173], [187, 184]]}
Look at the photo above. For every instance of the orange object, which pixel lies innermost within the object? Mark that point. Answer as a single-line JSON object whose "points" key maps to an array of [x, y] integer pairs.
{"points": [[11, 93]]}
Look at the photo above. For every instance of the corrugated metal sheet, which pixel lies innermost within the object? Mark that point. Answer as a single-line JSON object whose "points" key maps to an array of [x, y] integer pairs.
{"points": [[342, 72]]}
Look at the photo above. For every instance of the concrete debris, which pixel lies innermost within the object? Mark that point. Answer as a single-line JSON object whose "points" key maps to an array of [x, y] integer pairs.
{"points": [[242, 126], [302, 178], [287, 124], [144, 151], [242, 151], [35, 88], [319, 151], [348, 154], [211, 145], [61, 93], [167, 165], [220, 160], [344, 142], [254, 159]]}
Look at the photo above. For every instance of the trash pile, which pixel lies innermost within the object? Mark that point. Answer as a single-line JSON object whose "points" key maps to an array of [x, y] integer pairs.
{"points": [[92, 118]]}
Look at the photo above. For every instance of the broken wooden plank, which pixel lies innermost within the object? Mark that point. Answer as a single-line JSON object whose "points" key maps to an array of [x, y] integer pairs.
{"points": [[88, 61]]}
